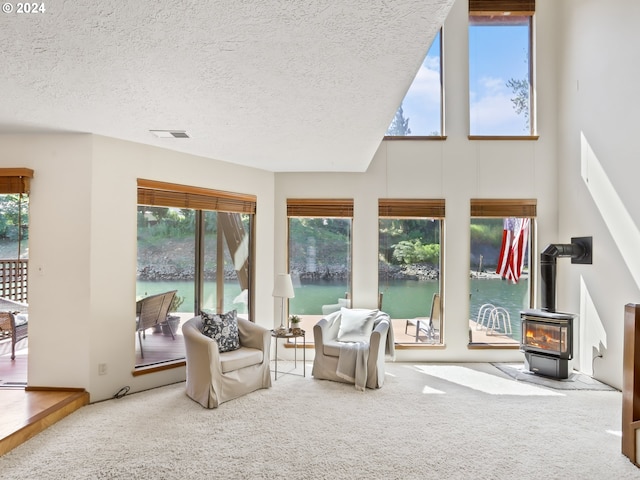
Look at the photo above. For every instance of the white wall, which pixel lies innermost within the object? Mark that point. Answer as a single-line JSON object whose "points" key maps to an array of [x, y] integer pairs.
{"points": [[598, 171], [82, 248], [457, 170], [59, 254]]}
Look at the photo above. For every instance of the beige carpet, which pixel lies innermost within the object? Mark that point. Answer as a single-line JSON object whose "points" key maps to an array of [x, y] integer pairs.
{"points": [[429, 421]]}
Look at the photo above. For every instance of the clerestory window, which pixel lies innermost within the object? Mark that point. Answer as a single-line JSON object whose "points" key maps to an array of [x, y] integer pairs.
{"points": [[501, 90], [421, 112]]}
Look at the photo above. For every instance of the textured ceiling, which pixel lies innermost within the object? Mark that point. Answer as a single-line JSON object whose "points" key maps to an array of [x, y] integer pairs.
{"points": [[289, 85]]}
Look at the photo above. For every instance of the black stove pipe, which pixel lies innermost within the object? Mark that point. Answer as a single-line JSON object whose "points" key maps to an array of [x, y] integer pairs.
{"points": [[548, 270]]}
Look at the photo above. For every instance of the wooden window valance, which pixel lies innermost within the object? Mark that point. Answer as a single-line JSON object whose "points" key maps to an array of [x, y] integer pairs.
{"points": [[319, 207], [493, 7], [410, 207], [161, 194], [15, 180], [500, 208]]}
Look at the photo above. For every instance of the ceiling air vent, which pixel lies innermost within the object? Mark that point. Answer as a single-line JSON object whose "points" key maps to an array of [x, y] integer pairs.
{"points": [[170, 133]]}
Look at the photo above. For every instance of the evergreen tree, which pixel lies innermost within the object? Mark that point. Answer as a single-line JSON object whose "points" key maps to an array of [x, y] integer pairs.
{"points": [[399, 125]]}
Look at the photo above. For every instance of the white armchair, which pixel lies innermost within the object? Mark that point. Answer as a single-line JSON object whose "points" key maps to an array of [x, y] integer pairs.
{"points": [[214, 377], [328, 348]]}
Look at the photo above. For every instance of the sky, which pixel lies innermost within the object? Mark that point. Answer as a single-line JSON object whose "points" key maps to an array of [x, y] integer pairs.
{"points": [[496, 54]]}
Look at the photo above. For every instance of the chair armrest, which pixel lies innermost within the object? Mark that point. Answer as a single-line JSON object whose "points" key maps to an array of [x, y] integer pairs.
{"points": [[381, 327], [318, 336], [378, 339], [254, 336], [201, 351]]}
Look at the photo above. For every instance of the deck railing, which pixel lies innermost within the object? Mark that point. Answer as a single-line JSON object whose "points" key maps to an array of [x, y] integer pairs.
{"points": [[13, 279]]}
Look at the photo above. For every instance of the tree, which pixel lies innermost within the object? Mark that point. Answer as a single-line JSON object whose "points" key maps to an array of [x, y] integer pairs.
{"points": [[520, 102], [414, 251], [14, 210], [399, 125]]}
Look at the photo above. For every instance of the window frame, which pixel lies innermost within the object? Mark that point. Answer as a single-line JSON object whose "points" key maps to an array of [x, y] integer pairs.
{"points": [[442, 135], [419, 209], [319, 208], [200, 200], [502, 9], [502, 208]]}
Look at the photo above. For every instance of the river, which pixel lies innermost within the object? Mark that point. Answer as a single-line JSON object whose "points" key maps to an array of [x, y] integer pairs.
{"points": [[401, 299]]}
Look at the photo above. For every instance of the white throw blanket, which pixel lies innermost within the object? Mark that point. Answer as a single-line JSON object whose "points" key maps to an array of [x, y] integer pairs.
{"points": [[352, 363]]}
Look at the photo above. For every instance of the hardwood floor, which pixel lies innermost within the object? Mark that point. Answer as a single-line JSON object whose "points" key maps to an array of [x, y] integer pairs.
{"points": [[26, 413]]}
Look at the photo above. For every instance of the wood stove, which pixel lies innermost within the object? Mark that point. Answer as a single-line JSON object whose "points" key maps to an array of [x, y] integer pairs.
{"points": [[547, 335], [547, 342]]}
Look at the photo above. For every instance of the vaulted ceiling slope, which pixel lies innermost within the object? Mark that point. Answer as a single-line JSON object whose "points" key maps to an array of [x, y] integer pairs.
{"points": [[281, 85]]}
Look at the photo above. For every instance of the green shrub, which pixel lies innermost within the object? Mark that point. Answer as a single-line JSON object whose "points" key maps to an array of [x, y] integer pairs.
{"points": [[414, 251]]}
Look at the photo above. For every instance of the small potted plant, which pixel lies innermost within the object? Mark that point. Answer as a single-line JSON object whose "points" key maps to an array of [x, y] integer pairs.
{"points": [[295, 324], [173, 320]]}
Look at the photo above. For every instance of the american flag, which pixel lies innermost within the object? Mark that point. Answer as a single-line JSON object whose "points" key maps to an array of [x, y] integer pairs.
{"points": [[513, 249]]}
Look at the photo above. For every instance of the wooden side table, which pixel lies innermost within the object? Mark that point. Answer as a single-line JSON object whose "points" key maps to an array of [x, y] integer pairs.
{"points": [[275, 334]]}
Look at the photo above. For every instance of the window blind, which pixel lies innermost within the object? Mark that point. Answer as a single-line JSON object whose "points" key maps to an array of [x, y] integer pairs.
{"points": [[320, 207], [15, 180], [161, 194], [492, 7], [491, 207], [411, 208]]}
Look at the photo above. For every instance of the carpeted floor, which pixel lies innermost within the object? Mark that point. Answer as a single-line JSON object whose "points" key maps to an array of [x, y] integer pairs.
{"points": [[429, 421]]}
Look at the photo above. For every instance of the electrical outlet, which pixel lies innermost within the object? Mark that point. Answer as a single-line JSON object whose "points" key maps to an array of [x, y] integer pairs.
{"points": [[102, 369]]}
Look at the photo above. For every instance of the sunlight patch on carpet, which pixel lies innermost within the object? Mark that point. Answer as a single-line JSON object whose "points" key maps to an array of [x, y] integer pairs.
{"points": [[484, 382], [431, 391]]}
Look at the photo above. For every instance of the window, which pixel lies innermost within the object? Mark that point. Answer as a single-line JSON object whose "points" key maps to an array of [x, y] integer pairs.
{"points": [[14, 247], [420, 113], [500, 280], [409, 266], [14, 263], [198, 242], [319, 257], [500, 68]]}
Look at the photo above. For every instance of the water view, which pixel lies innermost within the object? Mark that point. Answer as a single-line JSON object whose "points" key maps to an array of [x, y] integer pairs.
{"points": [[402, 298]]}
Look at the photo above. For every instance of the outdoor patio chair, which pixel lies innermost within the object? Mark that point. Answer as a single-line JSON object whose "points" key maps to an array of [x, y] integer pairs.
{"points": [[334, 307], [430, 325], [13, 325], [152, 311]]}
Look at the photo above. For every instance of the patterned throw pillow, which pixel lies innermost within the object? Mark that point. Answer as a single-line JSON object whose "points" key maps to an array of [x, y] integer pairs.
{"points": [[223, 329]]}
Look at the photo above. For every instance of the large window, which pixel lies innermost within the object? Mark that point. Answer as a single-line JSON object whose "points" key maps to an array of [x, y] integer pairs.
{"points": [[319, 257], [500, 68], [420, 113], [14, 263], [409, 266], [500, 280], [198, 242]]}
